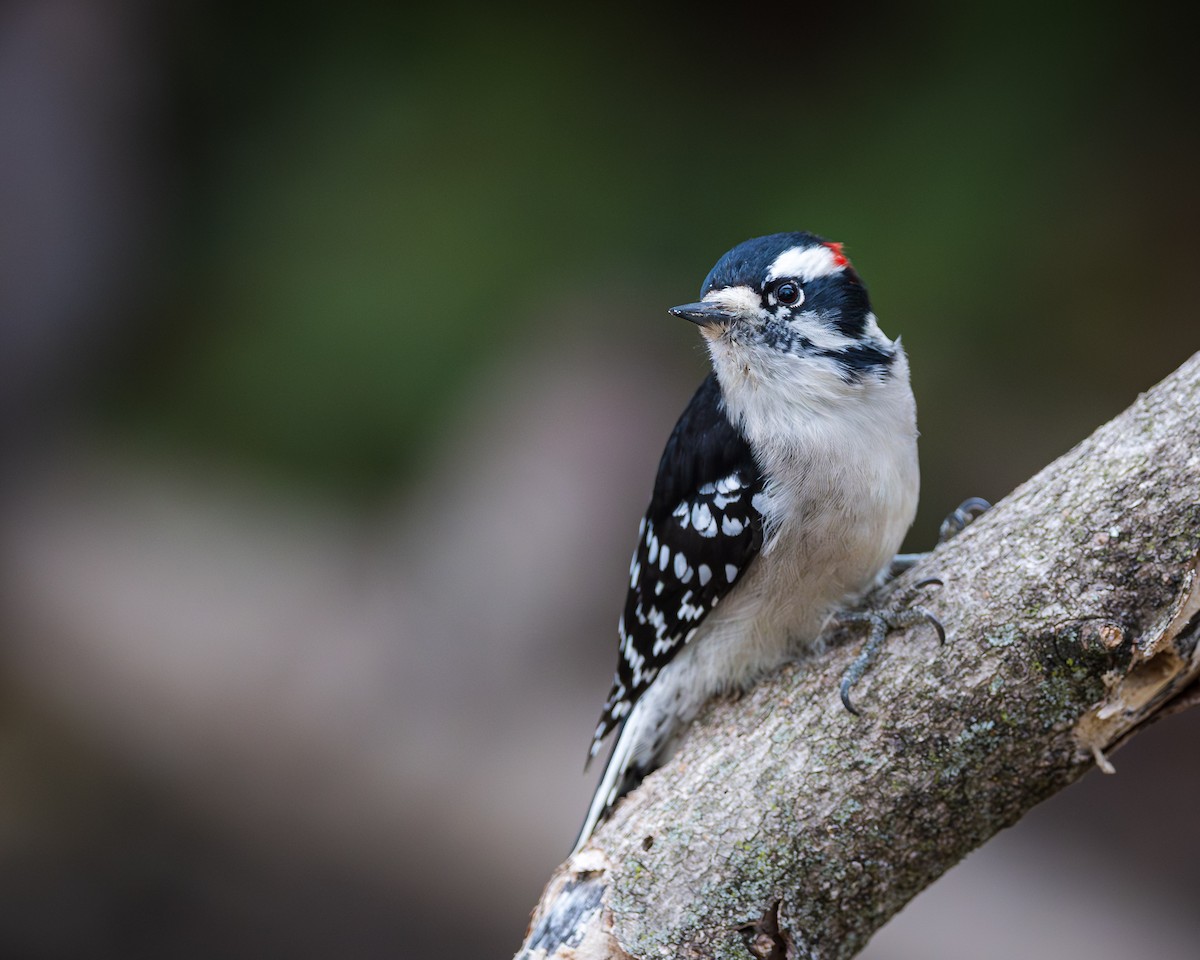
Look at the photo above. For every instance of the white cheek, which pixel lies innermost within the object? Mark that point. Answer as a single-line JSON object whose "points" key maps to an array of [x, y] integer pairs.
{"points": [[820, 335]]}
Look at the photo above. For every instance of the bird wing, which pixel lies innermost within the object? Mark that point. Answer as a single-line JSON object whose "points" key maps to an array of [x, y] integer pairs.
{"points": [[700, 533]]}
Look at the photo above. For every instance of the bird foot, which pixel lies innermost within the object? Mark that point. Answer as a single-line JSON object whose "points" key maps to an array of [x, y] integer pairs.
{"points": [[880, 623], [962, 517], [955, 523]]}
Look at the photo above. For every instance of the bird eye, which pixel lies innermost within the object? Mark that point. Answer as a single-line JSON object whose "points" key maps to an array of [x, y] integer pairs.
{"points": [[788, 293]]}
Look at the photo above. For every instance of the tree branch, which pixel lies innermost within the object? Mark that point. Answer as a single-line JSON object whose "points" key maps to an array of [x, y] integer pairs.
{"points": [[786, 827]]}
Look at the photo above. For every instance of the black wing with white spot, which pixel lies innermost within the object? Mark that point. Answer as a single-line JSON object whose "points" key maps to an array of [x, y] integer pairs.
{"points": [[699, 535]]}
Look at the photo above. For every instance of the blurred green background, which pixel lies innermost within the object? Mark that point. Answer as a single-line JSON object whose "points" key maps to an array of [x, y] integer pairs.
{"points": [[335, 368], [371, 205]]}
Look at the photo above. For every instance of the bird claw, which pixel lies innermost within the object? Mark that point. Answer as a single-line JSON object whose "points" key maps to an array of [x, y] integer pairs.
{"points": [[959, 519], [962, 516], [903, 615], [880, 622]]}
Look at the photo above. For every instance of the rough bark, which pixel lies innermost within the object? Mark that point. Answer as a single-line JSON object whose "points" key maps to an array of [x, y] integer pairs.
{"points": [[787, 827]]}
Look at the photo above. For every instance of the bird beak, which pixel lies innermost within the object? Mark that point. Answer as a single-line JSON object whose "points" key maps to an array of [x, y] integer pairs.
{"points": [[703, 313]]}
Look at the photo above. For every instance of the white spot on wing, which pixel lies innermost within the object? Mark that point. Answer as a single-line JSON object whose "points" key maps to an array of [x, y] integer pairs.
{"points": [[688, 611], [731, 526], [705, 574], [659, 621], [731, 572]]}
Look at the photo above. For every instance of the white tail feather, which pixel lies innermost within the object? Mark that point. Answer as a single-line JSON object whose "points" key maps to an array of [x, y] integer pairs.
{"points": [[614, 774]]}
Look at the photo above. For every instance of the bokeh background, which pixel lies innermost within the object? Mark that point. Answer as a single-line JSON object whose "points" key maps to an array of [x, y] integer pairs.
{"points": [[335, 368]]}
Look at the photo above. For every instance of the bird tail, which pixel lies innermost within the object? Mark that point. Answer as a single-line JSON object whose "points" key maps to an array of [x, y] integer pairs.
{"points": [[621, 774]]}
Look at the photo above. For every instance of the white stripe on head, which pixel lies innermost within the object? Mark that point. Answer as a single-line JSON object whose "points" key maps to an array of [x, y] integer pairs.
{"points": [[806, 263]]}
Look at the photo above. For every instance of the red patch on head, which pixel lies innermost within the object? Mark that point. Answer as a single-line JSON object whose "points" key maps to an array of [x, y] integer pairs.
{"points": [[839, 258]]}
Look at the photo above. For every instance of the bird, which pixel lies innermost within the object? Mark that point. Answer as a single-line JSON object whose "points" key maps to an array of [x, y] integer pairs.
{"points": [[781, 498]]}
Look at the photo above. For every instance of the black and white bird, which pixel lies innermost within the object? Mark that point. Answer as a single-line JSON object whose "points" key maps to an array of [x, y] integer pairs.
{"points": [[782, 496]]}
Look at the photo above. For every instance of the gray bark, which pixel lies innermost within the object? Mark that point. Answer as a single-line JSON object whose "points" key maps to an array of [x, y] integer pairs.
{"points": [[787, 827]]}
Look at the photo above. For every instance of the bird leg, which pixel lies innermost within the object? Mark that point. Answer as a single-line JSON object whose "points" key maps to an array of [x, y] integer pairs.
{"points": [[958, 520], [880, 622]]}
